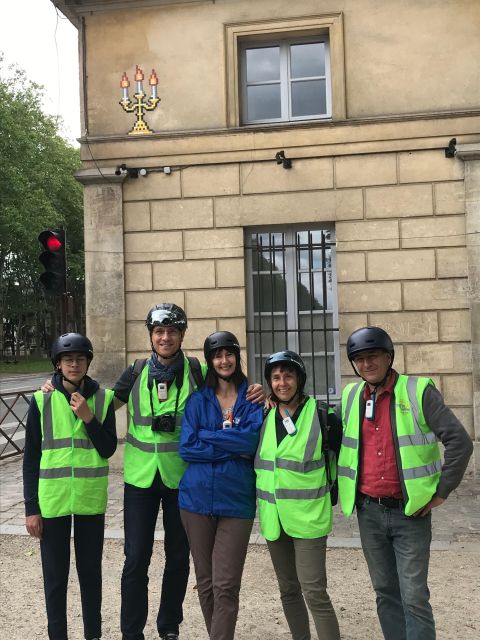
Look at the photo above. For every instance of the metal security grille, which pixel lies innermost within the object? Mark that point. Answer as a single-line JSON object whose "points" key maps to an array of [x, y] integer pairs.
{"points": [[292, 303]]}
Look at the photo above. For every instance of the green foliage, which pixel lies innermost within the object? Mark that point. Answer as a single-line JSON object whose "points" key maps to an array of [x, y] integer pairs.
{"points": [[38, 191], [26, 365]]}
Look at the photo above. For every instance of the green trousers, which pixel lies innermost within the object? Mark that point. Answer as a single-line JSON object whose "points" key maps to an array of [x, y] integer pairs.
{"points": [[302, 578]]}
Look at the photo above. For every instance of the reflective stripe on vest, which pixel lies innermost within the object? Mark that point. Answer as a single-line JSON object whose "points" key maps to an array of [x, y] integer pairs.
{"points": [[147, 451], [73, 477], [49, 442], [418, 449], [291, 480]]}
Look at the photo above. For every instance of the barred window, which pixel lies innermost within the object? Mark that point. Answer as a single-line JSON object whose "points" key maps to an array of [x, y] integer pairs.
{"points": [[292, 303]]}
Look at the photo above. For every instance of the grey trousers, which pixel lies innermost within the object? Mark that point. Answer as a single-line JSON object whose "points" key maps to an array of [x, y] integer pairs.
{"points": [[219, 546], [301, 574]]}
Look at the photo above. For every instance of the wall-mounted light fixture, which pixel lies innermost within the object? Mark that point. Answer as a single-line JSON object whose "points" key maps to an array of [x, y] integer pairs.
{"points": [[451, 150], [281, 159], [135, 172]]}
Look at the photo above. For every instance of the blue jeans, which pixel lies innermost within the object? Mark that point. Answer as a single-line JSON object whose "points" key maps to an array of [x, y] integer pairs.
{"points": [[141, 508], [397, 551]]}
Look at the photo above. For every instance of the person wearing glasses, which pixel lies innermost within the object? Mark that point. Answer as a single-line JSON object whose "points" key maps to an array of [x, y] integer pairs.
{"points": [[70, 434]]}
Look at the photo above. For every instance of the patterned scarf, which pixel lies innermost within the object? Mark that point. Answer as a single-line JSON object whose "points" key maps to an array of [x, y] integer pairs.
{"points": [[164, 372]]}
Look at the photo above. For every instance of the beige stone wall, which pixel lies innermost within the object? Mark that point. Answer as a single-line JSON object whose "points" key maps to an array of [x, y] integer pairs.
{"points": [[401, 256], [399, 57], [397, 203]]}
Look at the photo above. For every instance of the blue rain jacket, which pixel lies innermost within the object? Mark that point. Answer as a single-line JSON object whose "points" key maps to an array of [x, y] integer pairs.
{"points": [[219, 479]]}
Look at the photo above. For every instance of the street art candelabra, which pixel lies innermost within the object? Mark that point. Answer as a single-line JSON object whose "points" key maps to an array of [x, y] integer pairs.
{"points": [[140, 104]]}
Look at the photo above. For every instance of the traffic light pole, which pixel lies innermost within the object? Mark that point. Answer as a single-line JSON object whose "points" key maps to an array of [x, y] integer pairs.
{"points": [[63, 313]]}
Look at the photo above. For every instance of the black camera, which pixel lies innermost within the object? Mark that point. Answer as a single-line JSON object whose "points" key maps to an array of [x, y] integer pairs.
{"points": [[165, 423]]}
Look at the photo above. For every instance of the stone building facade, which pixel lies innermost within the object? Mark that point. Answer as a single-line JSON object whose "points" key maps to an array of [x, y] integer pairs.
{"points": [[402, 81]]}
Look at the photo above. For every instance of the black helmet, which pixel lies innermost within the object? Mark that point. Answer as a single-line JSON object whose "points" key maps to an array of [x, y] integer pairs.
{"points": [[367, 339], [71, 343], [289, 358], [166, 314], [220, 340]]}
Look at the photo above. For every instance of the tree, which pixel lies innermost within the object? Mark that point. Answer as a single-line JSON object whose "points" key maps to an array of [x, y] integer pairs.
{"points": [[38, 191]]}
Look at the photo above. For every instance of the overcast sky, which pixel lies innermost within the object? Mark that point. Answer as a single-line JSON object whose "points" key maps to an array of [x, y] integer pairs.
{"points": [[45, 46]]}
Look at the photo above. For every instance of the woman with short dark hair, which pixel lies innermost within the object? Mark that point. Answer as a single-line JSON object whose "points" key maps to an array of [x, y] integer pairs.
{"points": [[293, 490]]}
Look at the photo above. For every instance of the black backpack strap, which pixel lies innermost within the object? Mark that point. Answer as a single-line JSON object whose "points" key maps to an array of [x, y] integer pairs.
{"points": [[137, 368], [323, 416], [196, 370]]}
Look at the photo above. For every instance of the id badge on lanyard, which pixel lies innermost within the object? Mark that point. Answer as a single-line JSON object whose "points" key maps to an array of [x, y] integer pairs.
{"points": [[289, 425], [370, 407]]}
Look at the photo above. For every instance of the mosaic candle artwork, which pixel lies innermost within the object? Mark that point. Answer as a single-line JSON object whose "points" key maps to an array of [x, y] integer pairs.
{"points": [[140, 103]]}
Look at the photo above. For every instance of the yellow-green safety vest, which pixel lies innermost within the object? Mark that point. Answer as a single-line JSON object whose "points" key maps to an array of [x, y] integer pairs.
{"points": [[73, 475], [292, 488], [416, 445], [147, 451]]}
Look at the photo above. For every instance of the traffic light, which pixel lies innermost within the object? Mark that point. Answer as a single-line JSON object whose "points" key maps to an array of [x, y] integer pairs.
{"points": [[54, 260]]}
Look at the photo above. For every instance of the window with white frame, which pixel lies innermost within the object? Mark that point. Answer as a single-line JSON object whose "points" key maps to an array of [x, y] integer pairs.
{"points": [[292, 303], [285, 80]]}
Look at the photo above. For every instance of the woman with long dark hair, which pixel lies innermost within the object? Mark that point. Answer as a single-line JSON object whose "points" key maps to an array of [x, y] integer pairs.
{"points": [[220, 431]]}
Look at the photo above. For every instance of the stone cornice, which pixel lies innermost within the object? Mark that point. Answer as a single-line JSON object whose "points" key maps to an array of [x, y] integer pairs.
{"points": [[74, 9], [286, 127], [299, 141]]}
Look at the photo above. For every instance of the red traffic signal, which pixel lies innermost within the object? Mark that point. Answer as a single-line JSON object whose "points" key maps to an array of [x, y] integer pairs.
{"points": [[54, 260]]}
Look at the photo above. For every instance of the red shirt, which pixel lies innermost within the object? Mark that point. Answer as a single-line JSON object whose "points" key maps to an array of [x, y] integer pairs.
{"points": [[378, 475]]}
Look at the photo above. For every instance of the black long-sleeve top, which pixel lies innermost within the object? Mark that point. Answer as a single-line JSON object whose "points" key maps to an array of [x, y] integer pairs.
{"points": [[103, 437]]}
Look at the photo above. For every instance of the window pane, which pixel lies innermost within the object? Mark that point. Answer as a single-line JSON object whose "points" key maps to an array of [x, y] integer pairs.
{"points": [[263, 64], [266, 340], [269, 293], [311, 330], [310, 291], [308, 98], [268, 259], [322, 366], [307, 60], [263, 102]]}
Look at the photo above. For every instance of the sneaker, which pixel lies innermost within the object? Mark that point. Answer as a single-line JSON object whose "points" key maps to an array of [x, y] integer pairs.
{"points": [[169, 636]]}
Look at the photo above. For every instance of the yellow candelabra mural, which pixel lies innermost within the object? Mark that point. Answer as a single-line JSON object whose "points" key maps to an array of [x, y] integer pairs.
{"points": [[140, 103]]}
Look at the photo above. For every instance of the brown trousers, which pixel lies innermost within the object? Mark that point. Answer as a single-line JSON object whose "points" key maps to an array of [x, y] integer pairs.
{"points": [[219, 546]]}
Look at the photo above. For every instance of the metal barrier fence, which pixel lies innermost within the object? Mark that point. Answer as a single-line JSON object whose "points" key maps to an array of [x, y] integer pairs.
{"points": [[13, 417]]}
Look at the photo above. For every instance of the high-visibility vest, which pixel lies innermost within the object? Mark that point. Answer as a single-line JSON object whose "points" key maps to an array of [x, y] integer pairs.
{"points": [[414, 441], [73, 475], [147, 451], [292, 488]]}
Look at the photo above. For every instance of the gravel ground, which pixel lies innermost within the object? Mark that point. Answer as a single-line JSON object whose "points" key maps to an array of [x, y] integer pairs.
{"points": [[454, 584]]}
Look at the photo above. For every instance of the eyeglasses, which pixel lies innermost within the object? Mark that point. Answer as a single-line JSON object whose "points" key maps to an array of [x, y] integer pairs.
{"points": [[77, 360]]}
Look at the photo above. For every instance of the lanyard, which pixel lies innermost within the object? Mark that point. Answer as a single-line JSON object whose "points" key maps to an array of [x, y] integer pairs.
{"points": [[179, 388]]}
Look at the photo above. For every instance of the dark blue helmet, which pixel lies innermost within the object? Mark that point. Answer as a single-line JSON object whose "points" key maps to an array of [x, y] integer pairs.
{"points": [[287, 358], [71, 343], [367, 339]]}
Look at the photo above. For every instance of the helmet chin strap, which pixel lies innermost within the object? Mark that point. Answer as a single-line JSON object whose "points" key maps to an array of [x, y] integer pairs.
{"points": [[76, 385], [378, 384]]}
